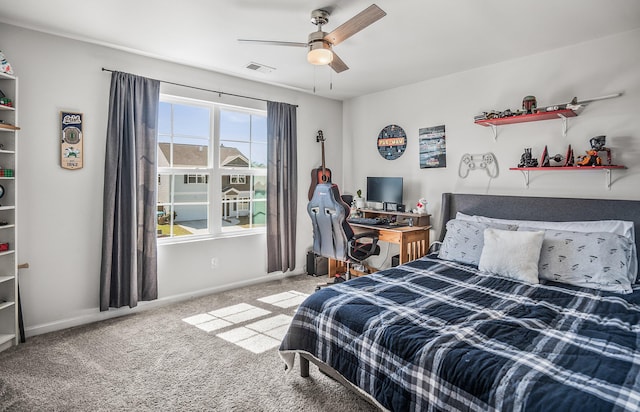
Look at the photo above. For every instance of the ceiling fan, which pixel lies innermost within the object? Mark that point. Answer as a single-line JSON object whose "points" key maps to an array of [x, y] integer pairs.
{"points": [[321, 44]]}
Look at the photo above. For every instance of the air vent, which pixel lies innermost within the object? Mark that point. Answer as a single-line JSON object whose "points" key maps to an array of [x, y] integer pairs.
{"points": [[259, 67]]}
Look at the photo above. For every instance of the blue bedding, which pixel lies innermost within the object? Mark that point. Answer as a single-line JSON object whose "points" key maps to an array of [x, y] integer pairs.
{"points": [[439, 335]]}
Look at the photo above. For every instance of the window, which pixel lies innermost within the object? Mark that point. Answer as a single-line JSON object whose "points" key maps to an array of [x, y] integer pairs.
{"points": [[238, 179], [212, 172], [196, 178]]}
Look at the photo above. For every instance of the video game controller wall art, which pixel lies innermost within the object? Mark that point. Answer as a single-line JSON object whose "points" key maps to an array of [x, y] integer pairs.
{"points": [[486, 161]]}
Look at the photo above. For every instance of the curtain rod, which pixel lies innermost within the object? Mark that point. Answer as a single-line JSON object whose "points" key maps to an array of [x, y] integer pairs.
{"points": [[199, 88]]}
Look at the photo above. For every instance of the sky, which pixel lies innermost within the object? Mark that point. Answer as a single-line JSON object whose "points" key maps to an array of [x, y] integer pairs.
{"points": [[191, 125]]}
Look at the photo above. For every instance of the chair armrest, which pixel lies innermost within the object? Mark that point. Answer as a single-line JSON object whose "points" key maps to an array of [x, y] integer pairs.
{"points": [[368, 249]]}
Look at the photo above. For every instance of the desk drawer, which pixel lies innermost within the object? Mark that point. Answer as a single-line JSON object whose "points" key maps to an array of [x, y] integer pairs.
{"points": [[388, 236]]}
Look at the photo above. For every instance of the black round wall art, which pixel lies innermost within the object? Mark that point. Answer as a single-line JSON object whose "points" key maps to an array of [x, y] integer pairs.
{"points": [[392, 142]]}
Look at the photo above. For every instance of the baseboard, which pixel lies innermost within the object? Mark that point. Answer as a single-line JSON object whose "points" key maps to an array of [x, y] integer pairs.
{"points": [[113, 313]]}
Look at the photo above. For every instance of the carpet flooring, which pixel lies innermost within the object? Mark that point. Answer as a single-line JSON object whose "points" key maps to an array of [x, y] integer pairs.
{"points": [[155, 361]]}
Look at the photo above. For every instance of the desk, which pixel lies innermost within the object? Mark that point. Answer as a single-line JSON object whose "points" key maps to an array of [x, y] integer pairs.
{"points": [[413, 241], [418, 219]]}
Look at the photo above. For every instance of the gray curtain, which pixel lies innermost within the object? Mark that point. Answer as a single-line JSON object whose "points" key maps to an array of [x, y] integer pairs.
{"points": [[282, 186], [129, 264]]}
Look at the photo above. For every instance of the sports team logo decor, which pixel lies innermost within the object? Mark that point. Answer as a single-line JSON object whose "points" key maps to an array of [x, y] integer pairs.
{"points": [[71, 151]]}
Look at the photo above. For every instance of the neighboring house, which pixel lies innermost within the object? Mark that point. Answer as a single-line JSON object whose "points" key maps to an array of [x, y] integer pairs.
{"points": [[236, 188]]}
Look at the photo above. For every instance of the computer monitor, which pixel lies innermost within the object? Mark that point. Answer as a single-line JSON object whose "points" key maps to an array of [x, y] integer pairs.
{"points": [[384, 189]]}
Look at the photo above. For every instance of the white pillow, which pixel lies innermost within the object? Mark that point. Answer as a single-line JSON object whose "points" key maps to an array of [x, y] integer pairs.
{"points": [[619, 227], [511, 254]]}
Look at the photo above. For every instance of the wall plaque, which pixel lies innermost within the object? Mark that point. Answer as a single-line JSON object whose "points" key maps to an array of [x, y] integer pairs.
{"points": [[392, 142], [71, 143]]}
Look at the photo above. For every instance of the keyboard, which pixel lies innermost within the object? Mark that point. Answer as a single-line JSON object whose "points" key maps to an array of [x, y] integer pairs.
{"points": [[367, 221]]}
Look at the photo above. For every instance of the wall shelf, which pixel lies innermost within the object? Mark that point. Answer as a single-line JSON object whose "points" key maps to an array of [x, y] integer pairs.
{"points": [[525, 118], [607, 169]]}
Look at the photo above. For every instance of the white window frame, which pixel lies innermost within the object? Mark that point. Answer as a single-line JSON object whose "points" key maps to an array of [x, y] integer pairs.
{"points": [[215, 172], [197, 178], [238, 179]]}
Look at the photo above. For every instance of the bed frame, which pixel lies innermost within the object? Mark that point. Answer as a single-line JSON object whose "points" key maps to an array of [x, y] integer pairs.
{"points": [[510, 207], [554, 209]]}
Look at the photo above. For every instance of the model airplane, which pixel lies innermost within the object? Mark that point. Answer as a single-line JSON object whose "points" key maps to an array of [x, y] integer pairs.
{"points": [[574, 104]]}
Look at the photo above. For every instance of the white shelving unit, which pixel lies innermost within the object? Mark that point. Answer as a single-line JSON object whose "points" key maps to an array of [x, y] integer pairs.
{"points": [[9, 333]]}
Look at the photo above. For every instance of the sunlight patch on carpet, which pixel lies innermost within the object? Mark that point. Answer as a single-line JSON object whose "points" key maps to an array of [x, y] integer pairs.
{"points": [[201, 318], [270, 323], [257, 336], [285, 299], [258, 343], [245, 315], [212, 325], [231, 310]]}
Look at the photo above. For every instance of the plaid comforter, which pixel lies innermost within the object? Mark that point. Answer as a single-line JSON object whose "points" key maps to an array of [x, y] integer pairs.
{"points": [[438, 335]]}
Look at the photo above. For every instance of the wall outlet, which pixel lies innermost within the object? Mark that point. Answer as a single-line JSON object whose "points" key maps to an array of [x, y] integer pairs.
{"points": [[214, 262]]}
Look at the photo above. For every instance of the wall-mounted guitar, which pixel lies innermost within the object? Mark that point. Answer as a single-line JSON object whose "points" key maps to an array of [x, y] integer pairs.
{"points": [[320, 174]]}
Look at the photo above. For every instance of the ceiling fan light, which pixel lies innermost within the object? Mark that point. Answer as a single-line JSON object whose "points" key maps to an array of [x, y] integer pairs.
{"points": [[319, 53]]}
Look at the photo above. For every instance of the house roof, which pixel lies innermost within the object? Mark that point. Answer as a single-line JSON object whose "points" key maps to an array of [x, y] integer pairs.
{"points": [[186, 155]]}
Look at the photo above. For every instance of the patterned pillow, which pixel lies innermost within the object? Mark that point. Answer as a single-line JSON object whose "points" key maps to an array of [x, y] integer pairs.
{"points": [[464, 240], [596, 260]]}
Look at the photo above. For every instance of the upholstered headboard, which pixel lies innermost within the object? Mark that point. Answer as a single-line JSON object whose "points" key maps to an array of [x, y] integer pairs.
{"points": [[553, 209]]}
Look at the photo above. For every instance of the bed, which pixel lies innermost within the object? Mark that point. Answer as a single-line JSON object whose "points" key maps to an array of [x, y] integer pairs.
{"points": [[439, 333]]}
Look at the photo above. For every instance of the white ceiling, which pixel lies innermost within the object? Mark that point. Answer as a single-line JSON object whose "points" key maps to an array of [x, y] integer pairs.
{"points": [[417, 40]]}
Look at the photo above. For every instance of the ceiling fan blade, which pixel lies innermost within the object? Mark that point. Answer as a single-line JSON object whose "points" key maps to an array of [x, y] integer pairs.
{"points": [[358, 22], [274, 43], [337, 64]]}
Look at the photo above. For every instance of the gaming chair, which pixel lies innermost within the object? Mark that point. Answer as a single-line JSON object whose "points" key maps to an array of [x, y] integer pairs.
{"points": [[333, 237]]}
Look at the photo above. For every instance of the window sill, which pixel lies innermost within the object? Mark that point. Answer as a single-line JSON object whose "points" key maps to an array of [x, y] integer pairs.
{"points": [[204, 238]]}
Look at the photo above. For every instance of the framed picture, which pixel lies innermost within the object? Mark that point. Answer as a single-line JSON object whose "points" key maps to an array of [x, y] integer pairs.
{"points": [[71, 142], [433, 148]]}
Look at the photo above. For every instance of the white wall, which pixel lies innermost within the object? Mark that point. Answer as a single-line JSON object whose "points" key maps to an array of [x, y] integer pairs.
{"points": [[60, 211], [586, 70]]}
